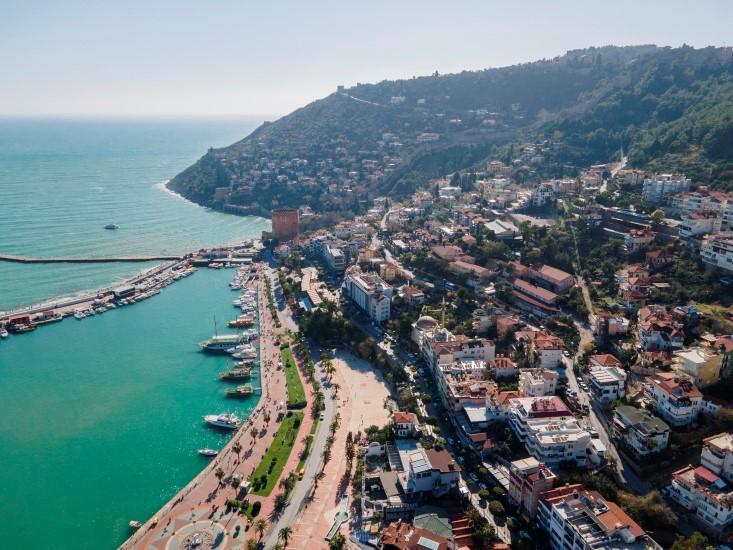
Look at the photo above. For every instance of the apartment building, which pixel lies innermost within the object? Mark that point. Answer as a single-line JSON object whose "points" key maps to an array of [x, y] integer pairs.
{"points": [[640, 432], [607, 383], [426, 471], [701, 491], [657, 189], [369, 292], [675, 399], [502, 367], [528, 478], [557, 441], [538, 382], [578, 519], [524, 409], [658, 330], [533, 298], [702, 365], [717, 251], [717, 455]]}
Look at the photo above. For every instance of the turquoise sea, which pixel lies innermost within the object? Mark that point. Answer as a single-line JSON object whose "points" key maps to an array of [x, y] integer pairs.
{"points": [[103, 417], [63, 180]]}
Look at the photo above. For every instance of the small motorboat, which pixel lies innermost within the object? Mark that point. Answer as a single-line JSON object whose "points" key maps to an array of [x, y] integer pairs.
{"points": [[208, 452], [135, 525], [112, 226], [4, 333]]}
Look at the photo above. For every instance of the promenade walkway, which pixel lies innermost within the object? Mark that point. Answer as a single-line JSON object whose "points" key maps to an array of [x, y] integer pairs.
{"points": [[202, 504]]}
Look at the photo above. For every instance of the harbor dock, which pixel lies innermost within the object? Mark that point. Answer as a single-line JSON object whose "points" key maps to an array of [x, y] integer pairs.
{"points": [[88, 260]]}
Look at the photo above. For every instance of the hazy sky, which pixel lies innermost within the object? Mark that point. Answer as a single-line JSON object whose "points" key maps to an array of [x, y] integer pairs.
{"points": [[214, 57]]}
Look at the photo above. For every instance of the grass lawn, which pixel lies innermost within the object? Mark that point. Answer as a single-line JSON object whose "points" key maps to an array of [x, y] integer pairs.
{"points": [[296, 392], [308, 444], [282, 445]]}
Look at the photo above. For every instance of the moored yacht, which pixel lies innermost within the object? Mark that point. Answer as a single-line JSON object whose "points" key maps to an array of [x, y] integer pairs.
{"points": [[241, 391], [222, 343], [223, 420], [208, 452]]}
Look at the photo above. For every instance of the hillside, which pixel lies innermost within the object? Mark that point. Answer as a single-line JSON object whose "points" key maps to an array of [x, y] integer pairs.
{"points": [[386, 138]]}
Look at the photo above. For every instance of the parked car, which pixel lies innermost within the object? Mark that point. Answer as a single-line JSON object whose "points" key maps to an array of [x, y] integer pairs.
{"points": [[473, 477]]}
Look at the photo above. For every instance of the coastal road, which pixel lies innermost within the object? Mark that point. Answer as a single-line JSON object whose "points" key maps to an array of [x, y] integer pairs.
{"points": [[314, 463]]}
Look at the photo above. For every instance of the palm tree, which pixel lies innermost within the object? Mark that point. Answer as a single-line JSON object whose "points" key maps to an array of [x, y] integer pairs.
{"points": [[253, 433], [237, 448], [284, 535], [252, 544], [261, 526], [219, 474], [235, 484], [267, 417], [316, 478], [336, 388]]}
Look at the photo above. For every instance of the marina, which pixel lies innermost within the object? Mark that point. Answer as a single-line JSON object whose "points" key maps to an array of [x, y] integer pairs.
{"points": [[130, 439]]}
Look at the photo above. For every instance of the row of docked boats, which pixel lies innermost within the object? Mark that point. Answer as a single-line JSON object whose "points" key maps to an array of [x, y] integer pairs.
{"points": [[239, 346]]}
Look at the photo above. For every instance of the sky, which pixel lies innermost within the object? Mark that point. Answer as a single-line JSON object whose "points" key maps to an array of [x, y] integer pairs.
{"points": [[201, 58]]}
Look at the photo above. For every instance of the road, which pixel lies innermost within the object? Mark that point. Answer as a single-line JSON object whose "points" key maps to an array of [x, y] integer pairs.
{"points": [[314, 462], [626, 476]]}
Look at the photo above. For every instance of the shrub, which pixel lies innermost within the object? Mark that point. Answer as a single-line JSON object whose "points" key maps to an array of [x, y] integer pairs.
{"points": [[496, 508], [512, 524], [256, 508], [499, 491], [483, 494]]}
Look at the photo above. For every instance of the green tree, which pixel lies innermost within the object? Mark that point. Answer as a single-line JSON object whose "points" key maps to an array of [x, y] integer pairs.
{"points": [[337, 542], [284, 535], [696, 541]]}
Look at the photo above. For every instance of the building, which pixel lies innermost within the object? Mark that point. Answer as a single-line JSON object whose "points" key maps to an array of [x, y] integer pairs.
{"points": [[658, 188], [557, 441], [524, 409], [285, 223], [405, 424], [675, 399], [637, 239], [607, 383], [335, 258], [717, 251], [535, 299], [369, 292], [701, 491], [658, 330], [426, 471], [717, 455], [541, 195], [700, 364], [502, 367], [640, 432], [695, 224], [528, 478], [538, 382], [552, 278], [401, 535], [578, 519], [440, 354], [503, 230]]}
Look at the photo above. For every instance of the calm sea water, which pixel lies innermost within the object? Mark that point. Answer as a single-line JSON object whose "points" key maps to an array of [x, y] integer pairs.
{"points": [[62, 181], [102, 417]]}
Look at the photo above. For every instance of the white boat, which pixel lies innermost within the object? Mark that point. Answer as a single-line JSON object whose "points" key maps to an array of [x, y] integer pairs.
{"points": [[208, 452], [223, 420], [4, 333], [245, 352], [79, 315], [222, 343]]}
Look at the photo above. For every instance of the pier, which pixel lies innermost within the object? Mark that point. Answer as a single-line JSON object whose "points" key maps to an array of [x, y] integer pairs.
{"points": [[89, 260]]}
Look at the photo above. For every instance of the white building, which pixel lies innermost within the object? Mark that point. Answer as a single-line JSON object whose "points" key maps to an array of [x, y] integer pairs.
{"points": [[640, 431], [369, 292], [717, 251], [702, 365], [701, 491], [699, 223], [542, 194], [503, 230], [578, 519], [658, 188], [607, 383], [637, 239], [426, 471], [717, 455], [556, 441], [675, 398], [538, 382]]}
